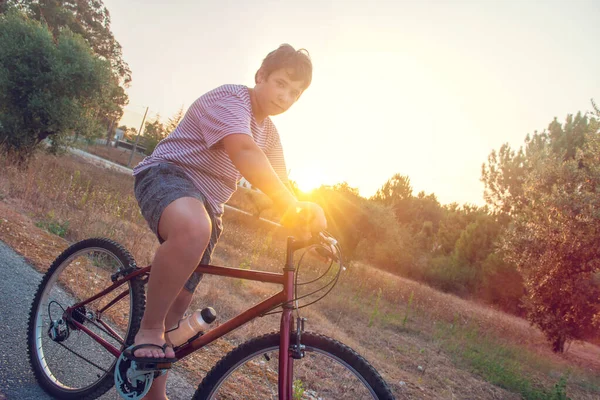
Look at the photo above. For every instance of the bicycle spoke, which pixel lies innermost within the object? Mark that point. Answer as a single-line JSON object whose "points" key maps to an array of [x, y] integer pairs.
{"points": [[83, 358]]}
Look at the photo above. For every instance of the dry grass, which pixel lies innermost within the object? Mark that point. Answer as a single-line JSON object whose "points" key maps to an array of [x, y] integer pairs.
{"points": [[425, 343]]}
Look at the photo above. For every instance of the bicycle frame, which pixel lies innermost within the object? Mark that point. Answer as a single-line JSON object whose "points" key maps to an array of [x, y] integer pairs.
{"points": [[283, 298]]}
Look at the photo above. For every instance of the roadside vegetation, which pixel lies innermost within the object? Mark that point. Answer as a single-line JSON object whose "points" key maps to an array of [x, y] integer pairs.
{"points": [[426, 343]]}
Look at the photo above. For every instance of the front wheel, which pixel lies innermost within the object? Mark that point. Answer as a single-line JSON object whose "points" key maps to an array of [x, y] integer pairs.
{"points": [[329, 370]]}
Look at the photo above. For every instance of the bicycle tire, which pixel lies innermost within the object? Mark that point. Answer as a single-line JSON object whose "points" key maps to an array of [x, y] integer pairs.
{"points": [[242, 359], [82, 269]]}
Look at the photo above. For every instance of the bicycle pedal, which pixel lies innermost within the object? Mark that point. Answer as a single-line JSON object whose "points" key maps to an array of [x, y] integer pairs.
{"points": [[153, 366]]}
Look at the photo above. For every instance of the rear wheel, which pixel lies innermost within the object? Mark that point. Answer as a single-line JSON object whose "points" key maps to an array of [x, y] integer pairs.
{"points": [[329, 370], [67, 362]]}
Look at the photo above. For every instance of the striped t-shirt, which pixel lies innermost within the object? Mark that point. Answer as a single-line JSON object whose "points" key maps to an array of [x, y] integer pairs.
{"points": [[195, 145]]}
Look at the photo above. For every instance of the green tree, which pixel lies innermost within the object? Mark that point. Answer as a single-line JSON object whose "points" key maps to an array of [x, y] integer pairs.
{"points": [[503, 177], [154, 132], [506, 169], [477, 241], [130, 134], [423, 213], [553, 199], [111, 109], [397, 193], [395, 190], [91, 20], [174, 121], [501, 283], [454, 220], [48, 89], [475, 252], [88, 18], [386, 244]]}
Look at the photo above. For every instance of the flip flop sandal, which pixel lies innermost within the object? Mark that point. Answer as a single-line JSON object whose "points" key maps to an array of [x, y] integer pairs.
{"points": [[149, 362]]}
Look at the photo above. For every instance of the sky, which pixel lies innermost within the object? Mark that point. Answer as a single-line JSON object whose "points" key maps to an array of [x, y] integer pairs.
{"points": [[426, 89]]}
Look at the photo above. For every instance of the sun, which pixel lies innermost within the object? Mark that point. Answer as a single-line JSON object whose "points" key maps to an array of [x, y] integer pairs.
{"points": [[306, 180]]}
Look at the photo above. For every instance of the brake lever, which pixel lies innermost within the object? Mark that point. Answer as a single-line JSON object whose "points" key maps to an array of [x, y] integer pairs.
{"points": [[326, 253]]}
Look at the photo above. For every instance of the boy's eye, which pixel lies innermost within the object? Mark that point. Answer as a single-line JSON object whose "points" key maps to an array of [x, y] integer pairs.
{"points": [[280, 84]]}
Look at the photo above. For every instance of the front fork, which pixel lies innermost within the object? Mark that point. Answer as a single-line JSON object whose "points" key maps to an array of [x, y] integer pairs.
{"points": [[289, 350]]}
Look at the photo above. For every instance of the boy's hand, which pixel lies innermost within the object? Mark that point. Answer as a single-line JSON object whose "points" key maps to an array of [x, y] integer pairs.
{"points": [[316, 216], [305, 218]]}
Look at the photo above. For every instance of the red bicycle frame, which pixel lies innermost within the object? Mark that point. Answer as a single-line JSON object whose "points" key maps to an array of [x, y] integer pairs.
{"points": [[283, 298]]}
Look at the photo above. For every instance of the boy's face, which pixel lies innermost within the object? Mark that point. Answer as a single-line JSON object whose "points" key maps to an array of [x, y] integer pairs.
{"points": [[277, 92]]}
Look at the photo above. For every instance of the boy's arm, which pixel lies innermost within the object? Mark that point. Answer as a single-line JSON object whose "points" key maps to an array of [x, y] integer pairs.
{"points": [[274, 154], [254, 165]]}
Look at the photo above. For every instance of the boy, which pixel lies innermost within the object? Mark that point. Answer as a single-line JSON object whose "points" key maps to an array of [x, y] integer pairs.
{"points": [[182, 186]]}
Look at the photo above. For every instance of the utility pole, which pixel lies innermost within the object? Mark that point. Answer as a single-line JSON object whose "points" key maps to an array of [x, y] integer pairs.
{"points": [[137, 138]]}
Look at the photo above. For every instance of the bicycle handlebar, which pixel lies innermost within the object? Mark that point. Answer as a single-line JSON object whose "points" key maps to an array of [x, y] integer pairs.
{"points": [[327, 243]]}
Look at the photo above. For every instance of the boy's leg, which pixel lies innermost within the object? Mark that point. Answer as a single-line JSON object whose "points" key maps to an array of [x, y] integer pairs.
{"points": [[179, 307], [158, 390], [185, 228]]}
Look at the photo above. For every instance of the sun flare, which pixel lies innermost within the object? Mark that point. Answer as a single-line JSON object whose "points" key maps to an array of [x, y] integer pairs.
{"points": [[307, 180]]}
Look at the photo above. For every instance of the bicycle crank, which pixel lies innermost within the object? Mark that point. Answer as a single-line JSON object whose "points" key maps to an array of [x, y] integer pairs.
{"points": [[131, 381]]}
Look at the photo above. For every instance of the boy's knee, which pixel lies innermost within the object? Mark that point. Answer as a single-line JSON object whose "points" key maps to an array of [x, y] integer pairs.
{"points": [[188, 241], [196, 233], [184, 217]]}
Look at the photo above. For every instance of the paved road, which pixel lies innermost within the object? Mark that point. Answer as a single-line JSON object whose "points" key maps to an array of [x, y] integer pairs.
{"points": [[18, 283]]}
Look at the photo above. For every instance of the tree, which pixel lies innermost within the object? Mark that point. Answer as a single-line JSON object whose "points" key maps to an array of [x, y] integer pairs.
{"points": [[130, 134], [91, 20], [88, 18], [423, 210], [504, 174], [477, 241], [454, 220], [174, 121], [473, 249], [154, 132], [396, 189], [111, 109], [397, 193], [47, 89], [553, 197]]}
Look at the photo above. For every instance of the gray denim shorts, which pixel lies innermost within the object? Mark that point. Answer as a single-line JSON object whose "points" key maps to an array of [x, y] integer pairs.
{"points": [[158, 186]]}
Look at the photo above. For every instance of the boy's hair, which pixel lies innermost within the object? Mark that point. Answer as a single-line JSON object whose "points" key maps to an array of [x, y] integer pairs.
{"points": [[285, 56]]}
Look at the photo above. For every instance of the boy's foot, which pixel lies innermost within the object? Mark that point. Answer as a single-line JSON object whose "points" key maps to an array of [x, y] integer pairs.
{"points": [[152, 336]]}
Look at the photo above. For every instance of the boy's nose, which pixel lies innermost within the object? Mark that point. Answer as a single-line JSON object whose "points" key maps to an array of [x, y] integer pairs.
{"points": [[287, 100], [282, 101]]}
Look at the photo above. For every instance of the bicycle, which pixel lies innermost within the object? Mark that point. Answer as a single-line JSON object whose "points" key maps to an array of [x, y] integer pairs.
{"points": [[90, 302]]}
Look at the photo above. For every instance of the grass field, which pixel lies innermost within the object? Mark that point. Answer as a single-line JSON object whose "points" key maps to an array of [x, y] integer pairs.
{"points": [[426, 344]]}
